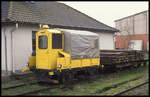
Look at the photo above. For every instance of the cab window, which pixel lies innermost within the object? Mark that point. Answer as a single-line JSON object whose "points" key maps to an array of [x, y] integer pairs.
{"points": [[57, 41], [43, 42]]}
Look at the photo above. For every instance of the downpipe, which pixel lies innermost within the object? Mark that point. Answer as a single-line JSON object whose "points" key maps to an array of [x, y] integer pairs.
{"points": [[5, 50], [12, 49]]}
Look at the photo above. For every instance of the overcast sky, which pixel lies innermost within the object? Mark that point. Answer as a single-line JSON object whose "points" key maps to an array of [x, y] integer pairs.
{"points": [[108, 12]]}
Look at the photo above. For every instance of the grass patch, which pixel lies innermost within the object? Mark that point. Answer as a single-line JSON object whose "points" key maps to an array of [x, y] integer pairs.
{"points": [[125, 86], [85, 88], [146, 55], [141, 91], [23, 89], [14, 83]]}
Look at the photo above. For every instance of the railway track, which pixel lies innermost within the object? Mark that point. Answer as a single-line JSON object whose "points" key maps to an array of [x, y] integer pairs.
{"points": [[36, 91], [20, 81], [20, 85], [118, 84], [27, 83], [130, 89], [29, 90], [42, 89], [16, 77]]}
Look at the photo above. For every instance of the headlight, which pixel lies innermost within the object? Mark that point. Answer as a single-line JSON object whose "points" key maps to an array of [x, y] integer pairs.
{"points": [[60, 65]]}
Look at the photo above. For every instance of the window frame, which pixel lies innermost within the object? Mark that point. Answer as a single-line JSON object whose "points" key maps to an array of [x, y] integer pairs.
{"points": [[34, 39], [42, 42], [59, 46]]}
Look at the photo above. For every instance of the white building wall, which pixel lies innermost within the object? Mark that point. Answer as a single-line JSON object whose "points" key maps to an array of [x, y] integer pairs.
{"points": [[19, 46], [6, 31], [22, 42], [106, 40], [3, 66], [147, 22], [136, 24], [140, 23]]}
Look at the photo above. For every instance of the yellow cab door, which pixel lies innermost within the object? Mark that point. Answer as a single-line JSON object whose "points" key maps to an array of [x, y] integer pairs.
{"points": [[42, 51], [56, 46]]}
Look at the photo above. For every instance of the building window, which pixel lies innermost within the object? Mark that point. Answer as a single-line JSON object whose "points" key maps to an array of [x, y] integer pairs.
{"points": [[43, 42], [34, 40], [57, 41]]}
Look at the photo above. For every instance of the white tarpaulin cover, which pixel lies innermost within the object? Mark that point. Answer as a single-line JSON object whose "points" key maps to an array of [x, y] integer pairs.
{"points": [[81, 44]]}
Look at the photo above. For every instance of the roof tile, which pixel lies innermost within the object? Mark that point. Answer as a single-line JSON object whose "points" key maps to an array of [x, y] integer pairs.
{"points": [[52, 13]]}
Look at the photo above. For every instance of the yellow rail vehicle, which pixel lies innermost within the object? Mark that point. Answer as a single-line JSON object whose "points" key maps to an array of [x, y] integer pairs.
{"points": [[50, 60]]}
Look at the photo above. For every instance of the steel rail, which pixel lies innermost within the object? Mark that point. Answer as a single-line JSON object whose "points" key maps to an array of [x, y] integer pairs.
{"points": [[118, 84], [36, 91], [127, 90], [11, 87]]}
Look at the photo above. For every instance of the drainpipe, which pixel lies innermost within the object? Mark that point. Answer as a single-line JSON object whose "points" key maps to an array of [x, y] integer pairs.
{"points": [[5, 51], [12, 49], [12, 61]]}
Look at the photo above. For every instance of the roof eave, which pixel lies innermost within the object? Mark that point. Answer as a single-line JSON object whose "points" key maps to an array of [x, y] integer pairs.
{"points": [[61, 26]]}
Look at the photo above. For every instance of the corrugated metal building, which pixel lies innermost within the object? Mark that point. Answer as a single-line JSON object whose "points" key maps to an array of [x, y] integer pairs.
{"points": [[20, 21], [134, 27]]}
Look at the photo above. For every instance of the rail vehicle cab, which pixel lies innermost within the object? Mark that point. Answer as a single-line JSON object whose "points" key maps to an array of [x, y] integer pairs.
{"points": [[49, 53], [49, 43]]}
